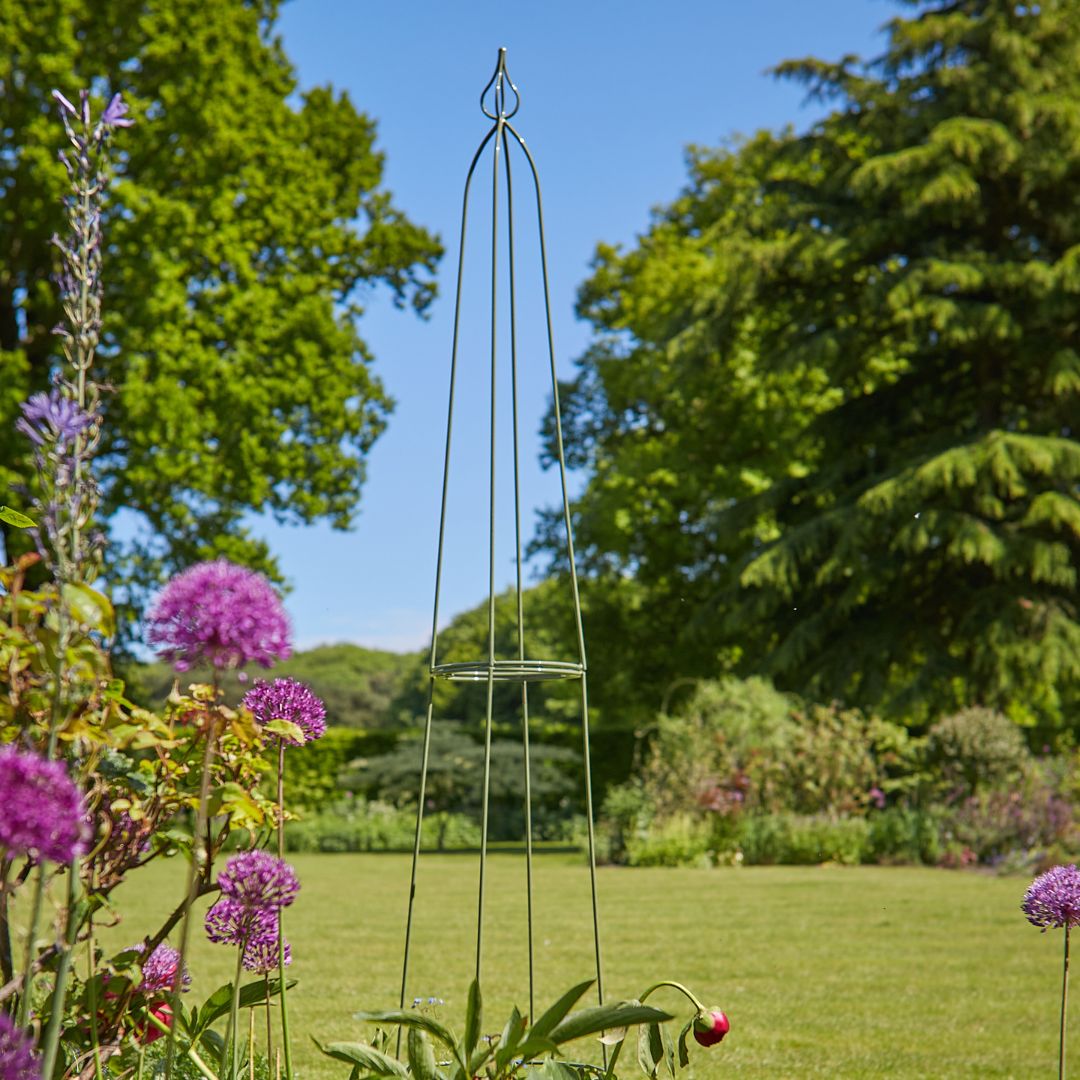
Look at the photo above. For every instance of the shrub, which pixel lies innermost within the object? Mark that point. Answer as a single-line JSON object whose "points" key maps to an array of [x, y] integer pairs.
{"points": [[974, 750], [804, 840], [679, 841], [904, 835]]}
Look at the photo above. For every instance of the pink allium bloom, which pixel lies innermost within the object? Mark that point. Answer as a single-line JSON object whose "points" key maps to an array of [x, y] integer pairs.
{"points": [[710, 1027], [1053, 898], [18, 1058], [43, 813], [258, 879], [261, 955], [159, 970], [221, 614], [287, 699]]}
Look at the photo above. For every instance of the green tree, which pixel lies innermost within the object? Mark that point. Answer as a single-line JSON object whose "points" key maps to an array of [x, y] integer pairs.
{"points": [[245, 225], [830, 415]]}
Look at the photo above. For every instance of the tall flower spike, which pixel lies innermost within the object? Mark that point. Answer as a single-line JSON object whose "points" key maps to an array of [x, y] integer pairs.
{"points": [[220, 614]]}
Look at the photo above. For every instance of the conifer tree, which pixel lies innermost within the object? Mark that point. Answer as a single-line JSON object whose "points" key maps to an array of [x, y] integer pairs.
{"points": [[832, 409]]}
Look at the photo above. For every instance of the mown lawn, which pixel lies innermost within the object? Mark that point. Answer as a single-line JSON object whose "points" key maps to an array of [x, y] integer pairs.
{"points": [[824, 972]]}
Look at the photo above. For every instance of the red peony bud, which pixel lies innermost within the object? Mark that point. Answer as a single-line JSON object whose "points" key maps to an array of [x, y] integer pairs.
{"points": [[710, 1027], [160, 1011]]}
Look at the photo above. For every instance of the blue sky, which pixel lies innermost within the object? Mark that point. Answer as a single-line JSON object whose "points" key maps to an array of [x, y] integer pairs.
{"points": [[612, 93]]}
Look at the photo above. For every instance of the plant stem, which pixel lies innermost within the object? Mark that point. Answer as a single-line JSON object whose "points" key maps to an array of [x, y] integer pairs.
{"points": [[281, 929], [675, 986], [92, 991], [1064, 1004], [251, 1044], [232, 1038], [269, 1025], [51, 1042], [198, 848]]}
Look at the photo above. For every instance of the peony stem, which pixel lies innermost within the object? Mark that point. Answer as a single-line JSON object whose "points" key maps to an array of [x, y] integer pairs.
{"points": [[281, 929], [1064, 1003], [675, 986]]}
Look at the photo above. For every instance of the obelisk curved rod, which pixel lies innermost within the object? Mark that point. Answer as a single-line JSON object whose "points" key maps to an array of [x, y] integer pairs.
{"points": [[501, 137]]}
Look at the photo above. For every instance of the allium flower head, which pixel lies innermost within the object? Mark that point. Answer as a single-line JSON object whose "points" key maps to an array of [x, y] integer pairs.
{"points": [[261, 955], [1053, 898], [287, 699], [43, 813], [159, 970], [219, 613], [257, 879], [231, 922], [18, 1059], [52, 417]]}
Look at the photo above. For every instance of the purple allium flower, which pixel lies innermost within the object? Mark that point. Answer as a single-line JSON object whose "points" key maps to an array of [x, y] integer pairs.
{"points": [[1053, 898], [159, 969], [261, 956], [287, 699], [18, 1058], [43, 813], [219, 613], [115, 114], [231, 922], [258, 879], [52, 417]]}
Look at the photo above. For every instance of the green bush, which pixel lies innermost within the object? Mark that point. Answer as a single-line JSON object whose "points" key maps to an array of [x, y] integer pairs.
{"points": [[357, 825], [975, 750], [904, 835], [802, 840], [679, 841]]}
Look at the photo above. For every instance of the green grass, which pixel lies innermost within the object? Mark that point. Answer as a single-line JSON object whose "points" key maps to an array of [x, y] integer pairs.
{"points": [[862, 972]]}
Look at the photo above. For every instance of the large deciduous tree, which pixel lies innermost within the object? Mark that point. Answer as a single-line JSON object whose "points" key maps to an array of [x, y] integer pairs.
{"points": [[245, 223], [831, 413]]}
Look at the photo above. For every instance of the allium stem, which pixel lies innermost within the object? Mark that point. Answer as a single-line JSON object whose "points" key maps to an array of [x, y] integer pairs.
{"points": [[51, 1042], [232, 1041], [1064, 1005], [281, 929], [199, 847], [269, 1024], [31, 941]]}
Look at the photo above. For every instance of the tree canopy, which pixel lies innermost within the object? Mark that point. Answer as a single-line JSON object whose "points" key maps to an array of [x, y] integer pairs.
{"points": [[829, 417], [245, 224]]}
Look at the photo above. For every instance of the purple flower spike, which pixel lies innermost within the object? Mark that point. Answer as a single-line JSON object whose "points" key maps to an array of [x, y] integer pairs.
{"points": [[52, 418], [159, 970], [287, 699], [220, 614], [65, 104], [257, 879], [261, 957], [43, 813], [1053, 898], [18, 1059], [115, 113]]}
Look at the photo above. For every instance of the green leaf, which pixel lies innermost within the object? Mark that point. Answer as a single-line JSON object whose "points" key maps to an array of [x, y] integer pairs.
{"points": [[684, 1056], [650, 1049], [421, 1056], [473, 1012], [547, 1023], [601, 1017], [510, 1038], [13, 517], [410, 1019], [286, 729], [91, 608], [220, 1001], [363, 1056]]}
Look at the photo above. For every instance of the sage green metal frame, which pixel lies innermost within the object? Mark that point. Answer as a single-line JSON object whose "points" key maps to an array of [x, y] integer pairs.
{"points": [[492, 669]]}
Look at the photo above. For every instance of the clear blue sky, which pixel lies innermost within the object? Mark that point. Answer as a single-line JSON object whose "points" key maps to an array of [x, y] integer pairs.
{"points": [[613, 92]]}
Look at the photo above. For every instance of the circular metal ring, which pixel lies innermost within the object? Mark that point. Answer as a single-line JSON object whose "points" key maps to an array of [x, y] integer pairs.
{"points": [[508, 671]]}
